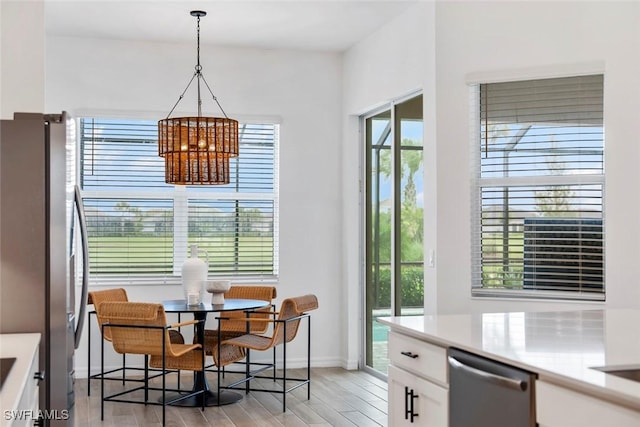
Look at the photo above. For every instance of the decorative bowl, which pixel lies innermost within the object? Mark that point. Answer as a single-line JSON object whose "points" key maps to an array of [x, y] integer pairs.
{"points": [[217, 288]]}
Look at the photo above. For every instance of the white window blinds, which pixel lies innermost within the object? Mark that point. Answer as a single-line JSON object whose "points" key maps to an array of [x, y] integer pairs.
{"points": [[538, 196], [139, 226]]}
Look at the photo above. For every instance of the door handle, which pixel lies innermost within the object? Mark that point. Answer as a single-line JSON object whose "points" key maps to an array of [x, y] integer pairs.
{"points": [[82, 221]]}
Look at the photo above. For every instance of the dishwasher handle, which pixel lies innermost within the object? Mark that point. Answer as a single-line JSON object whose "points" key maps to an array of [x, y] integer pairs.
{"points": [[488, 376]]}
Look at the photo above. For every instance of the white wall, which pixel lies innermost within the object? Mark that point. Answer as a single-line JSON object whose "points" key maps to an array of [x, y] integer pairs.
{"points": [[502, 40], [21, 57], [301, 90], [525, 40]]}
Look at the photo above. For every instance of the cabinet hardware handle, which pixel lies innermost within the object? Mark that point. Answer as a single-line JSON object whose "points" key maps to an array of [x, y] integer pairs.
{"points": [[406, 402], [409, 354], [39, 376], [409, 409], [413, 413]]}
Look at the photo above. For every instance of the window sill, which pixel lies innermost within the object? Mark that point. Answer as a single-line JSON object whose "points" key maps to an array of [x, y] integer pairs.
{"points": [[173, 281], [557, 296]]}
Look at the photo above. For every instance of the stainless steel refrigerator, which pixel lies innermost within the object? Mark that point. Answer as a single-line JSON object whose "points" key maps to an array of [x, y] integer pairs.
{"points": [[40, 208]]}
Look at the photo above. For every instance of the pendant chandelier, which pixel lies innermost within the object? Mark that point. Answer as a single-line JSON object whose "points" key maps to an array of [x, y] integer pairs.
{"points": [[197, 149]]}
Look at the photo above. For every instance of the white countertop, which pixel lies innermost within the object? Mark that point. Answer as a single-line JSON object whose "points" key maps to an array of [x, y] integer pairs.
{"points": [[22, 347], [560, 346]]}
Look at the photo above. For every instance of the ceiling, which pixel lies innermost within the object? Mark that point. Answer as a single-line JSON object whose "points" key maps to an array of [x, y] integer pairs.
{"points": [[322, 25]]}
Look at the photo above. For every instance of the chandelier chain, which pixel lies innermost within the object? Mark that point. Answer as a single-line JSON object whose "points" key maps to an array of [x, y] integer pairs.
{"points": [[199, 75], [215, 98], [199, 70], [182, 94]]}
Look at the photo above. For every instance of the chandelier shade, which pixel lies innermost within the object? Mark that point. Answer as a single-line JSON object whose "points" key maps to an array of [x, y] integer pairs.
{"points": [[197, 149], [196, 167], [198, 135]]}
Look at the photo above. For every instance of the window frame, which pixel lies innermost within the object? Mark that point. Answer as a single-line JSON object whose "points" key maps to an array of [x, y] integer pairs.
{"points": [[179, 196], [478, 183]]}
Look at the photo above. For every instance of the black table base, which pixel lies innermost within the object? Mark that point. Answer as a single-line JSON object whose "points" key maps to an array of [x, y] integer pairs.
{"points": [[226, 397]]}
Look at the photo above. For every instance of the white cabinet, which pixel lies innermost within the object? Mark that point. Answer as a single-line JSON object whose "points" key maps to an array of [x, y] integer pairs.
{"points": [[29, 401], [418, 391], [20, 392], [558, 407]]}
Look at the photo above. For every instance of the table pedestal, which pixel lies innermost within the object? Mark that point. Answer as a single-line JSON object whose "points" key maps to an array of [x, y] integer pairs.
{"points": [[226, 397]]}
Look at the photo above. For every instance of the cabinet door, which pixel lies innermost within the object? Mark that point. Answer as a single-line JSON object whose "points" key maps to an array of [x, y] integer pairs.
{"points": [[552, 402], [414, 401]]}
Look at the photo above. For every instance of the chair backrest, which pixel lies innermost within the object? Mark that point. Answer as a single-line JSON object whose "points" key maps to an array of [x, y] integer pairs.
{"points": [[290, 308], [264, 293], [135, 340], [98, 297]]}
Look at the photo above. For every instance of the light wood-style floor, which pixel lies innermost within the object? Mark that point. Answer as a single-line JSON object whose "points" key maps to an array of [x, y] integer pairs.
{"points": [[338, 398]]}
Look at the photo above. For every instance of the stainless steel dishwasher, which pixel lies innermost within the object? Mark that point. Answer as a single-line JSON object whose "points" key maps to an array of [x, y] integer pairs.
{"points": [[486, 393]]}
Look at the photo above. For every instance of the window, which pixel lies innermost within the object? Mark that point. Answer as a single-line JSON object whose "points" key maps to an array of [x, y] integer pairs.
{"points": [[538, 152], [139, 226]]}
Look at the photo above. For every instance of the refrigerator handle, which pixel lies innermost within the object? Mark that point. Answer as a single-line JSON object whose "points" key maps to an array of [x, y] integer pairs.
{"points": [[85, 264]]}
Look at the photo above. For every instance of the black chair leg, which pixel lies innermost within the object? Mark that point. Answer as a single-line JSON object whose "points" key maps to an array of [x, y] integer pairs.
{"points": [[309, 358], [164, 380], [284, 372], [247, 384], [146, 379], [89, 355], [102, 378], [203, 396], [274, 364]]}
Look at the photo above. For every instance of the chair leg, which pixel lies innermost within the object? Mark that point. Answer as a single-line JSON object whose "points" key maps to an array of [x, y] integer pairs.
{"points": [[274, 364], [102, 378], [164, 381], [146, 379], [247, 384], [179, 330], [217, 349], [203, 396], [309, 358], [284, 372], [124, 367], [89, 355]]}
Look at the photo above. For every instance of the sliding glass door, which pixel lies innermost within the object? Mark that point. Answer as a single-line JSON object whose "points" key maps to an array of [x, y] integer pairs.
{"points": [[394, 250]]}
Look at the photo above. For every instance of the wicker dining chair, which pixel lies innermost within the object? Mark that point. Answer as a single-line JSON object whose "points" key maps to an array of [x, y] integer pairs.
{"points": [[96, 298], [285, 329], [141, 328], [235, 325]]}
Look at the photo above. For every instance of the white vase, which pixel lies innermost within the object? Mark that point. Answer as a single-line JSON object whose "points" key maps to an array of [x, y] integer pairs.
{"points": [[194, 274]]}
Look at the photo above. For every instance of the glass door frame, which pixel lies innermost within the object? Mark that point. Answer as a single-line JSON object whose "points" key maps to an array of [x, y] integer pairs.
{"points": [[396, 171]]}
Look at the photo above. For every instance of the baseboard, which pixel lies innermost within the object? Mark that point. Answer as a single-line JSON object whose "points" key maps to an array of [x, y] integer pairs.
{"points": [[350, 364]]}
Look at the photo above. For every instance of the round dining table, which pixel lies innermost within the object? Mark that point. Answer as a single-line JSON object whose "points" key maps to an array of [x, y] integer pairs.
{"points": [[200, 312]]}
